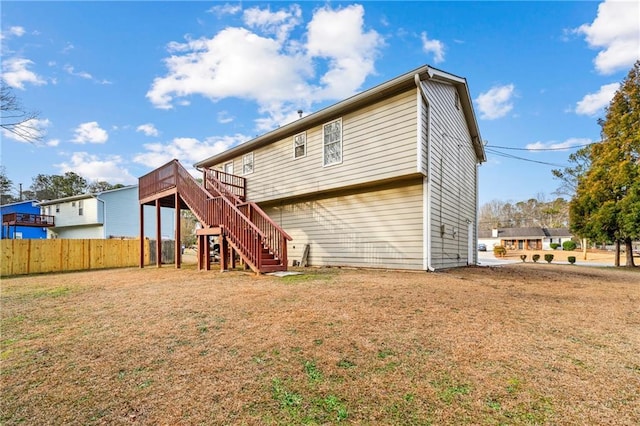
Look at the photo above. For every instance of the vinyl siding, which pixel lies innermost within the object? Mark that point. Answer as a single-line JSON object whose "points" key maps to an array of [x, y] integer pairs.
{"points": [[454, 174], [380, 227], [68, 214], [378, 143]]}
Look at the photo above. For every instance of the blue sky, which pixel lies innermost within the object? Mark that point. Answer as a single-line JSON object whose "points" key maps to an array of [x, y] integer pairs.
{"points": [[123, 87]]}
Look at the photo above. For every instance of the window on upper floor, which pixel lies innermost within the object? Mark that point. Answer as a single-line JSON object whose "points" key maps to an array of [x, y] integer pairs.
{"points": [[80, 208], [57, 208], [332, 142], [73, 204], [247, 163], [300, 145], [228, 167]]}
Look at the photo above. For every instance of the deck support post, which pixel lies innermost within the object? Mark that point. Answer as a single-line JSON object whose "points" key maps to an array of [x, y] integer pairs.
{"points": [[158, 235], [224, 253], [178, 245], [142, 235]]}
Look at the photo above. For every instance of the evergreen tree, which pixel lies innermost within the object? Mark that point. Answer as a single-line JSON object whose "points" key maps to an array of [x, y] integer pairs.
{"points": [[607, 201]]}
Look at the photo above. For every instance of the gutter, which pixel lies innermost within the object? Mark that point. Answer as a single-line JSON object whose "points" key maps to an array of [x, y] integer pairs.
{"points": [[427, 221]]}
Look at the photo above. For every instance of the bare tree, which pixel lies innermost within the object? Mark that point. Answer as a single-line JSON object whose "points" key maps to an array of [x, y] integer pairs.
{"points": [[16, 119]]}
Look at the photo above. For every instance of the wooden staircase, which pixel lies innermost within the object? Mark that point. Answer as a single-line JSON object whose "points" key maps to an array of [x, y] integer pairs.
{"points": [[220, 207]]}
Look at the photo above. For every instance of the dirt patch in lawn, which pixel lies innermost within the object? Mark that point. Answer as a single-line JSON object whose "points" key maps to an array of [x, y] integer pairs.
{"points": [[520, 344]]}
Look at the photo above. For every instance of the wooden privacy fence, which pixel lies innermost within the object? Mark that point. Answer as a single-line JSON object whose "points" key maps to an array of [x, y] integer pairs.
{"points": [[20, 257]]}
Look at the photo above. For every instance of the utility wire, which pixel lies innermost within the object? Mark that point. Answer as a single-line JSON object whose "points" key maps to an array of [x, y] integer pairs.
{"points": [[542, 149], [515, 157]]}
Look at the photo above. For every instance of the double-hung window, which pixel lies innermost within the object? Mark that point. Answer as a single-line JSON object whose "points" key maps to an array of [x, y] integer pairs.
{"points": [[247, 163], [332, 142], [300, 145]]}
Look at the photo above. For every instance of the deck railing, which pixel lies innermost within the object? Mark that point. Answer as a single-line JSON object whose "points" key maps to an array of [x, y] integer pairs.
{"points": [[160, 179], [27, 219], [275, 237], [220, 202], [226, 184]]}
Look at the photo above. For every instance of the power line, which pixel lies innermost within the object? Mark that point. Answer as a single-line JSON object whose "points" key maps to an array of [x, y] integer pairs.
{"points": [[515, 157], [542, 149]]}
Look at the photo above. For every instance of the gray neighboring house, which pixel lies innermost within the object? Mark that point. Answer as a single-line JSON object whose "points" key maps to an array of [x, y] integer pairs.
{"points": [[534, 238], [106, 214], [387, 178]]}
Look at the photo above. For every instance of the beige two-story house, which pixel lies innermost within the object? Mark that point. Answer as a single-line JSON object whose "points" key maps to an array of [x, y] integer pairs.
{"points": [[385, 179]]}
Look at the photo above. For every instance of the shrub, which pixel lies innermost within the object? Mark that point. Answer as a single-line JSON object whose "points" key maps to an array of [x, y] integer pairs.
{"points": [[535, 257], [571, 259], [569, 245], [554, 246], [499, 251], [523, 257], [548, 257]]}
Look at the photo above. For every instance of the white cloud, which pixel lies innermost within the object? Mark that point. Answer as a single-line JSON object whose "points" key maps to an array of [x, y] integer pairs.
{"points": [[82, 74], [224, 117], [339, 36], [279, 23], [90, 132], [148, 129], [17, 31], [565, 145], [187, 150], [616, 33], [496, 102], [53, 142], [28, 131], [225, 9], [94, 168], [593, 103], [436, 47], [264, 64], [16, 73]]}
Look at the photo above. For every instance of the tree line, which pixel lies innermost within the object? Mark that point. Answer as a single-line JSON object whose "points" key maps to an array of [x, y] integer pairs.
{"points": [[525, 214], [50, 187]]}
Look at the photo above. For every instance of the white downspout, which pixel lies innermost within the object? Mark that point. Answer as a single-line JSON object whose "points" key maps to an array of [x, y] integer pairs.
{"points": [[426, 185]]}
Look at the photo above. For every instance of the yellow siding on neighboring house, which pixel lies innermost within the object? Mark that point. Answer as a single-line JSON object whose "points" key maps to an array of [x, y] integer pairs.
{"points": [[377, 227]]}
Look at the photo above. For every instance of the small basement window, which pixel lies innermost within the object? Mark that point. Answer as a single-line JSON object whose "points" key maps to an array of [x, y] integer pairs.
{"points": [[247, 163], [300, 145], [332, 142]]}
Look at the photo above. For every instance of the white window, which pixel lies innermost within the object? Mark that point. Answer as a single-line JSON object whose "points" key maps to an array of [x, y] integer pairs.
{"points": [[80, 209], [332, 142], [57, 208], [228, 167], [247, 163], [300, 145]]}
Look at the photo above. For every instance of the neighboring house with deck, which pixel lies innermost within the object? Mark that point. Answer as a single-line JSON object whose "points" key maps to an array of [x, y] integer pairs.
{"points": [[102, 215], [533, 238], [387, 178], [22, 220]]}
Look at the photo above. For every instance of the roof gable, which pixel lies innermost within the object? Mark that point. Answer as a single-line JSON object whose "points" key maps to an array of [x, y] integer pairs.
{"points": [[360, 100]]}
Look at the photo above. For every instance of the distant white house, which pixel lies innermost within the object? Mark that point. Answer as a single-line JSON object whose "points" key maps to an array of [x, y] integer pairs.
{"points": [[107, 214], [534, 238]]}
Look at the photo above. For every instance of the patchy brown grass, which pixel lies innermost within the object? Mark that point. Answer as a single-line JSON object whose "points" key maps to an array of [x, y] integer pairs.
{"points": [[523, 344]]}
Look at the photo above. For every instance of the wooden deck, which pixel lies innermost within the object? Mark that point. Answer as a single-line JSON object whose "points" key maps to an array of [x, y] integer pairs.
{"points": [[218, 203]]}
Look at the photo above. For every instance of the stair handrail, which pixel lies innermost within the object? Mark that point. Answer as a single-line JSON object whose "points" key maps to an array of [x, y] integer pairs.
{"points": [[214, 179], [275, 238], [221, 211]]}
